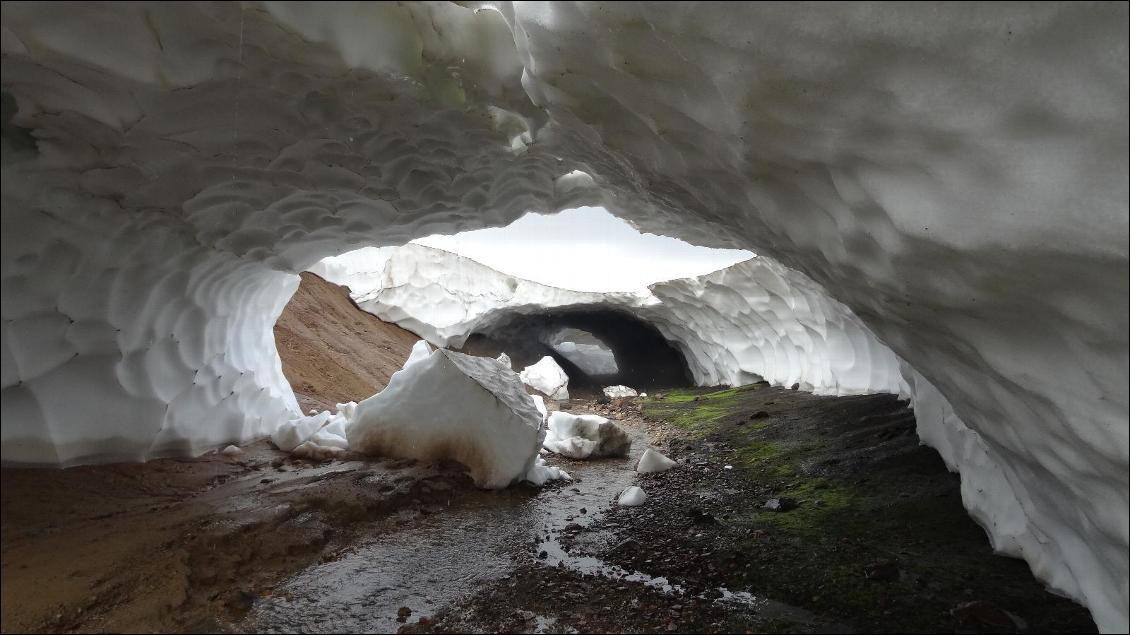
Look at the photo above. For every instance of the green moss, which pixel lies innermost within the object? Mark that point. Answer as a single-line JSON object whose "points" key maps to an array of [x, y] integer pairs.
{"points": [[852, 512]]}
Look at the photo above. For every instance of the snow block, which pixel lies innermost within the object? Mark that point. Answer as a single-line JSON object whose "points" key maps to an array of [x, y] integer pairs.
{"points": [[451, 406], [615, 392], [547, 377], [540, 472], [585, 436], [632, 497], [654, 461]]}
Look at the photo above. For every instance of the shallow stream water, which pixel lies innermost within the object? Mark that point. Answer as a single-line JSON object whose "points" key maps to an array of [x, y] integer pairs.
{"points": [[426, 560]]}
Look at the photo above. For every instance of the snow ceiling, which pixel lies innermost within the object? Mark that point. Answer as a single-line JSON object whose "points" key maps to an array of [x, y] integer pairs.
{"points": [[956, 175]]}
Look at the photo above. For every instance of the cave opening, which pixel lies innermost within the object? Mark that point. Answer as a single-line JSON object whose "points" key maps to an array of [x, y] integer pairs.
{"points": [[596, 346], [163, 185]]}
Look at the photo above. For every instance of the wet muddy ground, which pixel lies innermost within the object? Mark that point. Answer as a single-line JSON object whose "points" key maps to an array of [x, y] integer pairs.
{"points": [[872, 537], [820, 514]]}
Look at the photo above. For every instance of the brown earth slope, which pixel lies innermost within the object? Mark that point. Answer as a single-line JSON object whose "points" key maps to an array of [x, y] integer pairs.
{"points": [[331, 350]]}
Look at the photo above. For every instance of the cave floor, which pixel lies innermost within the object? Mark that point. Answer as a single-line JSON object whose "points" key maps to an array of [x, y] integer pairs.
{"points": [[874, 538]]}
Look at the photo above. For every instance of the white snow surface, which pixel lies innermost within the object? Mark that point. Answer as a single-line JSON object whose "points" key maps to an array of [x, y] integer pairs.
{"points": [[632, 496], [964, 194], [541, 472], [615, 392], [547, 377], [452, 406], [584, 436], [756, 319], [653, 460], [593, 359]]}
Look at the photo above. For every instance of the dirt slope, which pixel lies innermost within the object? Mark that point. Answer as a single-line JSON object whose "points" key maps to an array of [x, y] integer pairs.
{"points": [[331, 350]]}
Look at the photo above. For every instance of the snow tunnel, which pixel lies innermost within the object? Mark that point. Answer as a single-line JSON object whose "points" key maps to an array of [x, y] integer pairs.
{"points": [[608, 347], [957, 184]]}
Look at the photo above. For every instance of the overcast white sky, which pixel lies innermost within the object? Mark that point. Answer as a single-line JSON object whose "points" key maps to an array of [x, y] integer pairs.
{"points": [[585, 249]]}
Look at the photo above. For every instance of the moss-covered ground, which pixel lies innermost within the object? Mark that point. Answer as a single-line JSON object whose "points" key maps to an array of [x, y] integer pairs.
{"points": [[878, 538]]}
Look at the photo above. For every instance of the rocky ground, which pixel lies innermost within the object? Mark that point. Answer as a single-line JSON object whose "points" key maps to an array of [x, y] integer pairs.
{"points": [[189, 545], [787, 513], [828, 507]]}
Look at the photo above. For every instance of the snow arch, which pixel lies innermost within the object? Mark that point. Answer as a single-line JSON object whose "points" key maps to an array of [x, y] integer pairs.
{"points": [[956, 178]]}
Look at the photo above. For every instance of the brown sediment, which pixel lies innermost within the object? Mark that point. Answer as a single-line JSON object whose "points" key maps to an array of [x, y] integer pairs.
{"points": [[331, 350], [186, 544]]}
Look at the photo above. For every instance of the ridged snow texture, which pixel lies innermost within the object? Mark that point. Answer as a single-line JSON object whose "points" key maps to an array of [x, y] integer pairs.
{"points": [[753, 320], [956, 174]]}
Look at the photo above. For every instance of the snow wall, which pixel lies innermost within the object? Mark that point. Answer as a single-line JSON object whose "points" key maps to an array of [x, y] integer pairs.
{"points": [[955, 174]]}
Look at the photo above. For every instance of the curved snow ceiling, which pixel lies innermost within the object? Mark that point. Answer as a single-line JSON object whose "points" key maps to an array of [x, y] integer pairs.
{"points": [[955, 174]]}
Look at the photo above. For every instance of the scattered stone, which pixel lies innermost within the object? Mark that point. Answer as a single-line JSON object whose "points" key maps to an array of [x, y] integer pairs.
{"points": [[779, 504], [402, 614], [881, 571], [628, 544], [542, 555], [232, 450], [795, 387], [980, 613], [700, 517], [759, 414]]}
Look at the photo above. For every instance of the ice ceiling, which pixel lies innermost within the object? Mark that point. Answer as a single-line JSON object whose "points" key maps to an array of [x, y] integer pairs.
{"points": [[955, 174]]}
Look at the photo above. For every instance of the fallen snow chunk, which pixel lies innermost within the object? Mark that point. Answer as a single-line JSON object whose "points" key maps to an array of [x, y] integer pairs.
{"points": [[451, 406], [347, 410], [295, 432], [547, 377], [654, 461], [316, 451], [585, 436], [232, 450], [615, 392], [540, 472], [632, 497], [328, 438], [504, 359]]}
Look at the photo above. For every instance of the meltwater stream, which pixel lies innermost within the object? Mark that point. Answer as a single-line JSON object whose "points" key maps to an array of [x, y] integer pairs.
{"points": [[427, 562]]}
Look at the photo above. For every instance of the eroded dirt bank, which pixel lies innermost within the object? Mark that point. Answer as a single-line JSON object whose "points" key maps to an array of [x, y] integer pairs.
{"points": [[332, 351], [189, 545]]}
